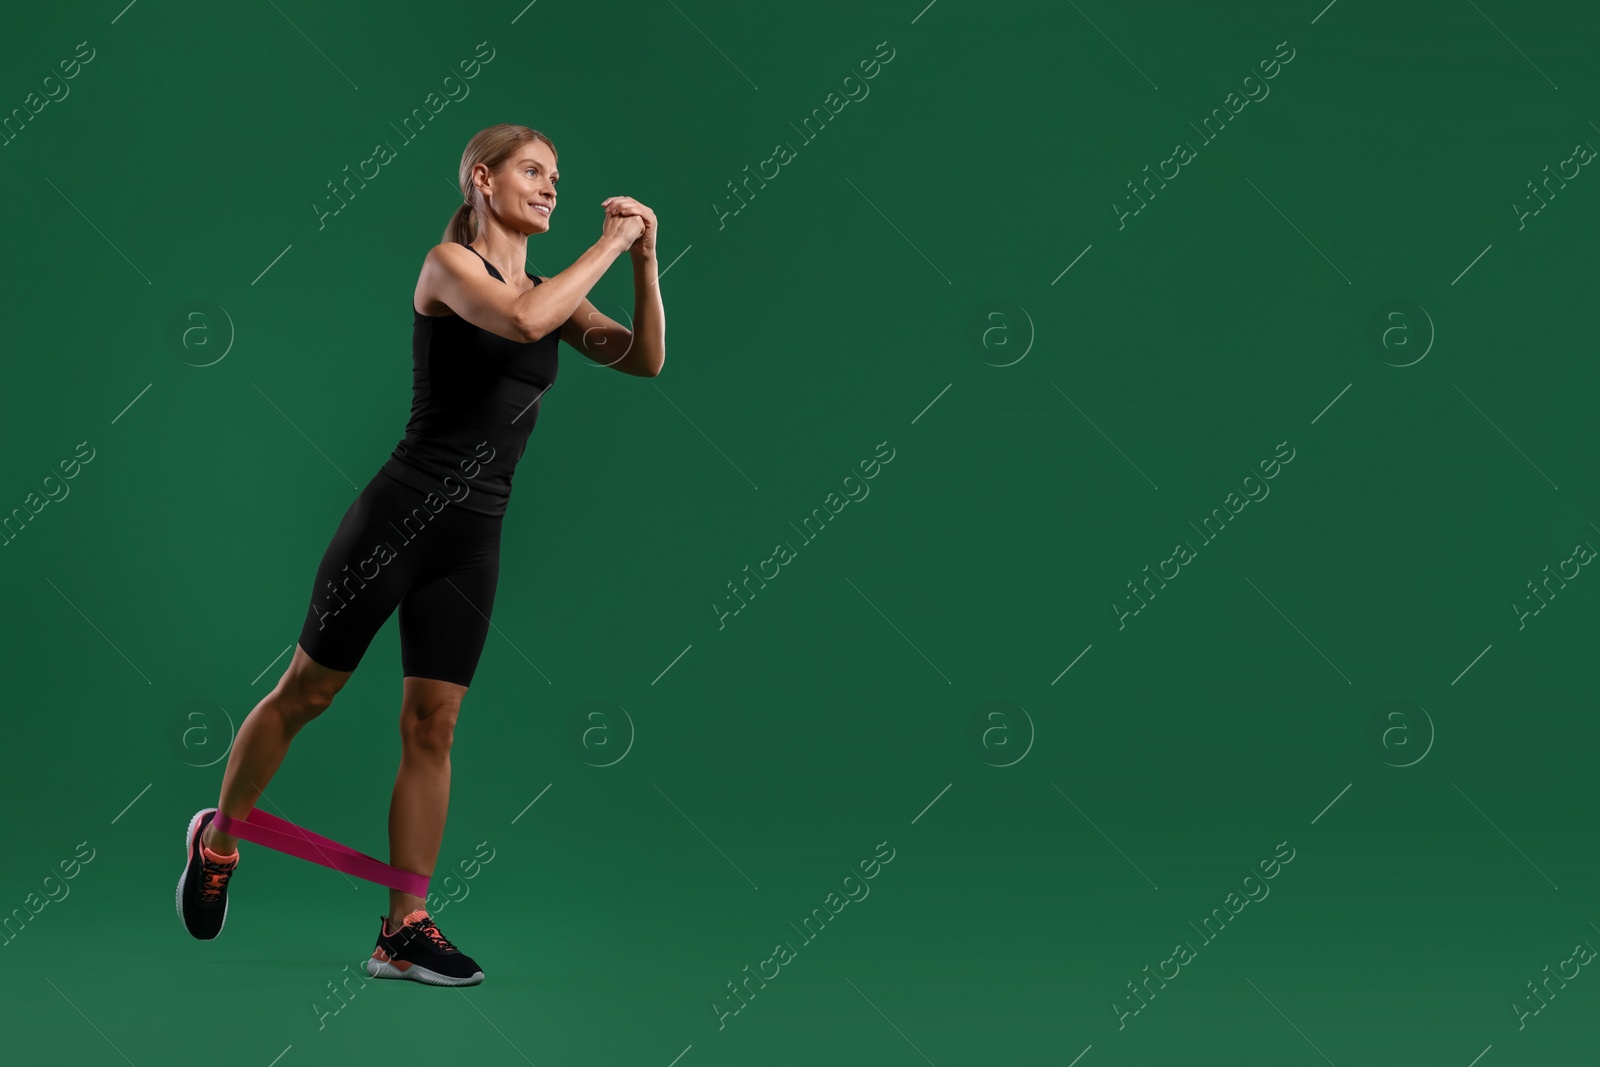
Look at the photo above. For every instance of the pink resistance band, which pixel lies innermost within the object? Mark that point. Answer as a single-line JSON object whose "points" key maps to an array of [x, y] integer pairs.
{"points": [[284, 836]]}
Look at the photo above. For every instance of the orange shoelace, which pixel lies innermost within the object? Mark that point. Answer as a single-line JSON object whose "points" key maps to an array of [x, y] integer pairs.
{"points": [[426, 928], [216, 875]]}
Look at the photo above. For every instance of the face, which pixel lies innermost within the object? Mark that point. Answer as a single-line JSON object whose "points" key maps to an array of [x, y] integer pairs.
{"points": [[525, 192]]}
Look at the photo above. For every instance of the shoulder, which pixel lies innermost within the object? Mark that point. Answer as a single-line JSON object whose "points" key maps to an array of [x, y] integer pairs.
{"points": [[447, 253], [446, 258]]}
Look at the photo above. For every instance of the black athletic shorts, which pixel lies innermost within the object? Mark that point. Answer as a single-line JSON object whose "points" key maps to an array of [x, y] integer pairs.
{"points": [[398, 547]]}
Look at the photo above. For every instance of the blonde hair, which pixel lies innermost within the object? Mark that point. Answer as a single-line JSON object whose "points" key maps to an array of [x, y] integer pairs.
{"points": [[491, 146]]}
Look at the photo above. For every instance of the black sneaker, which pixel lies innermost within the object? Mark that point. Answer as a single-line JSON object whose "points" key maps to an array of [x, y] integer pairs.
{"points": [[418, 951], [202, 896]]}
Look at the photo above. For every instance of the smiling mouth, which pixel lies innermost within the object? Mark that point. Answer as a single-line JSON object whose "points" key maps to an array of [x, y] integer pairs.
{"points": [[543, 209]]}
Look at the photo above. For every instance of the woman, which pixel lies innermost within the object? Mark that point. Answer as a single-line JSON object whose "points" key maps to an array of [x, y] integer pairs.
{"points": [[424, 534]]}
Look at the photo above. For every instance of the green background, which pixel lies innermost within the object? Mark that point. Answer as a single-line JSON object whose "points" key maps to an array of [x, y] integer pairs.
{"points": [[1441, 859]]}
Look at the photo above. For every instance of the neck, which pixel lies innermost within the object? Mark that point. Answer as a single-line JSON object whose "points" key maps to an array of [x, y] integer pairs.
{"points": [[507, 249]]}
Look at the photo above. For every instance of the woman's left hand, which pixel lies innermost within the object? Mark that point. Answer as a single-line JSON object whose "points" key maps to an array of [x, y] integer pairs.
{"points": [[627, 205]]}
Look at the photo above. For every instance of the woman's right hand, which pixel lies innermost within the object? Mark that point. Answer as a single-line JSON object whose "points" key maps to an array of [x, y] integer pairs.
{"points": [[624, 229]]}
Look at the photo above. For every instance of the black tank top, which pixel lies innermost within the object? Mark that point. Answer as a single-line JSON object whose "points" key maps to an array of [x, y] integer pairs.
{"points": [[474, 401]]}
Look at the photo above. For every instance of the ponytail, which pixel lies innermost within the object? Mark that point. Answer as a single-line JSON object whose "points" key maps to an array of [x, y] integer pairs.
{"points": [[462, 226]]}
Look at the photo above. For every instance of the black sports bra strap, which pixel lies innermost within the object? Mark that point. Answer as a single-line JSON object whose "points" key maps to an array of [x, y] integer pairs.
{"points": [[486, 263], [496, 273]]}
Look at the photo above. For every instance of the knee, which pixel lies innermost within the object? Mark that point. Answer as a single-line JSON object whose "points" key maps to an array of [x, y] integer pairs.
{"points": [[302, 699], [429, 728]]}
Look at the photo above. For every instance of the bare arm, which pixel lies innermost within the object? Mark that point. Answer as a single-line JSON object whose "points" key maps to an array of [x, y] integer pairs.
{"points": [[454, 276], [641, 351]]}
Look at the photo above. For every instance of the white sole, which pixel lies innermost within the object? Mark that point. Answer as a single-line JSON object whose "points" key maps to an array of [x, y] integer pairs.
{"points": [[415, 973], [177, 898]]}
